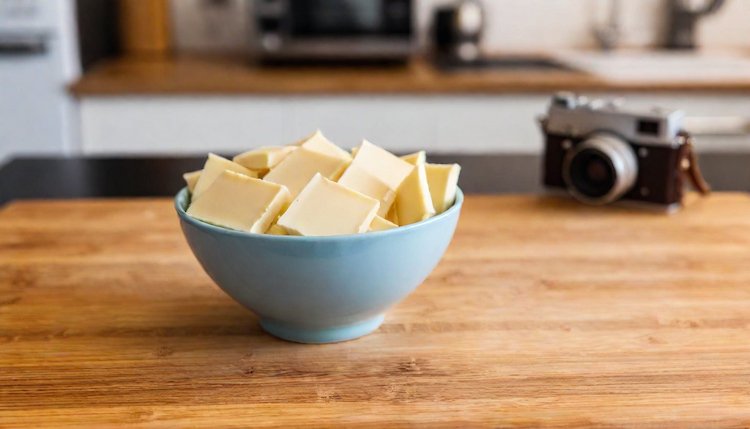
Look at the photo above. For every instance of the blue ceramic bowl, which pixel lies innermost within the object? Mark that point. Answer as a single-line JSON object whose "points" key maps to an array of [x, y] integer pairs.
{"points": [[319, 289]]}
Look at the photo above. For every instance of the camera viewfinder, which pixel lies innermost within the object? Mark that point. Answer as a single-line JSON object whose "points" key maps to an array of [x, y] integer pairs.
{"points": [[648, 127]]}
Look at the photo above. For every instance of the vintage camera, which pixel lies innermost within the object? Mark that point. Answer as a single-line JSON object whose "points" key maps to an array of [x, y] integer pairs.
{"points": [[601, 152]]}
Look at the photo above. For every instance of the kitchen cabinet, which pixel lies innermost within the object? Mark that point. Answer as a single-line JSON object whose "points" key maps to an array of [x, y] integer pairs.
{"points": [[193, 105], [456, 123]]}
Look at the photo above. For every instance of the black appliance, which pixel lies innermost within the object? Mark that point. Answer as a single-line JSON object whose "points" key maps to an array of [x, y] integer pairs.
{"points": [[457, 31], [339, 30]]}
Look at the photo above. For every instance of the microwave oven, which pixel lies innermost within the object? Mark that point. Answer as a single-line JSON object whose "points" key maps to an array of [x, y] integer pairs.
{"points": [[368, 30]]}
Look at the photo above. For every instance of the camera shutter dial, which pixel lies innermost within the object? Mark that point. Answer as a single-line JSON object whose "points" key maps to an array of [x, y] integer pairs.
{"points": [[600, 169]]}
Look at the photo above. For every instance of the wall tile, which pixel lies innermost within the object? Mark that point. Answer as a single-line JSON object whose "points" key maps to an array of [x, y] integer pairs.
{"points": [[513, 25]]}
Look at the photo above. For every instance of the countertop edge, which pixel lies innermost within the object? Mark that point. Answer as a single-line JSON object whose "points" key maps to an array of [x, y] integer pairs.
{"points": [[186, 76]]}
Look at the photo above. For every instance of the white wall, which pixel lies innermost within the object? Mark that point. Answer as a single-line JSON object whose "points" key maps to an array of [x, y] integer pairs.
{"points": [[518, 25], [513, 25]]}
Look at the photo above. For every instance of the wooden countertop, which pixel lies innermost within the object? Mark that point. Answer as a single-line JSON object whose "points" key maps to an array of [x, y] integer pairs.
{"points": [[543, 312], [220, 75]]}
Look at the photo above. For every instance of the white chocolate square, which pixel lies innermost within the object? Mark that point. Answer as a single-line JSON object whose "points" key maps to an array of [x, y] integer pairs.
{"points": [[365, 183], [413, 201], [392, 215], [297, 169], [381, 224], [191, 178], [317, 142], [443, 182], [263, 158], [325, 207], [378, 162], [275, 229], [416, 158], [239, 202], [214, 166]]}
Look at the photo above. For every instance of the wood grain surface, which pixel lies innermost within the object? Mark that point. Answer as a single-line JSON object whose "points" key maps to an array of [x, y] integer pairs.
{"points": [[542, 313], [223, 75]]}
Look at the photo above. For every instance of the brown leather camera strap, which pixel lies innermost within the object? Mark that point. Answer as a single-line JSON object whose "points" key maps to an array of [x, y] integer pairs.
{"points": [[689, 165]]}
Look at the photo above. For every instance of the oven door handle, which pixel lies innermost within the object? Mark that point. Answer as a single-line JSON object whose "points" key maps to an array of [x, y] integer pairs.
{"points": [[27, 43]]}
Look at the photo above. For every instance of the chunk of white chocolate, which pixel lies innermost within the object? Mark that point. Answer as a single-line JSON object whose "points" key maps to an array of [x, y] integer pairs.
{"points": [[443, 182], [214, 166], [263, 158], [239, 202], [392, 215], [275, 229], [361, 181], [381, 224], [380, 163], [376, 173], [297, 169], [325, 207], [413, 201], [317, 142], [191, 178], [416, 158]]}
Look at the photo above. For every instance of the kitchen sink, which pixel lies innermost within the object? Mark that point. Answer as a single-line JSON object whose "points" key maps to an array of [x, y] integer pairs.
{"points": [[660, 66], [504, 64]]}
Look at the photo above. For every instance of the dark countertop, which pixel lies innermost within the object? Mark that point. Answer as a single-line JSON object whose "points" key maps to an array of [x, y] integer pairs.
{"points": [[56, 177]]}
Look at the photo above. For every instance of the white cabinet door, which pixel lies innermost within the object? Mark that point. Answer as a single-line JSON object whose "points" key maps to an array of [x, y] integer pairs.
{"points": [[132, 125], [439, 123]]}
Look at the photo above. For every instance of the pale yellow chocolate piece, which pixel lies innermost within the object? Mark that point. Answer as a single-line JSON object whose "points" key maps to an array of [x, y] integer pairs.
{"points": [[263, 158], [378, 162], [239, 202], [275, 229], [317, 142], [214, 166], [415, 158], [191, 179], [443, 182], [325, 207], [413, 201], [361, 181], [296, 170], [380, 224], [376, 173], [261, 173], [393, 214]]}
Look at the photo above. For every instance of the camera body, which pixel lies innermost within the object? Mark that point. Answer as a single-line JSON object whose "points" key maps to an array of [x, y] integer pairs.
{"points": [[601, 153]]}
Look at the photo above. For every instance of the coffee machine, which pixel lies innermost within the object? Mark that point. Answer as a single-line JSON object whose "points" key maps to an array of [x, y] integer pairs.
{"points": [[457, 31]]}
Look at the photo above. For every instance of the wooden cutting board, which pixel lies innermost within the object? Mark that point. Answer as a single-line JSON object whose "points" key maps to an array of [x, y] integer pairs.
{"points": [[542, 313]]}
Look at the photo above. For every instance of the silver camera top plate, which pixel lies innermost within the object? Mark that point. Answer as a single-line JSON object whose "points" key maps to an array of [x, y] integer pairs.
{"points": [[579, 117]]}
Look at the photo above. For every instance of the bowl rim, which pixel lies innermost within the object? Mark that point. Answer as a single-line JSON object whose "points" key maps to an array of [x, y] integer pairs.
{"points": [[182, 194]]}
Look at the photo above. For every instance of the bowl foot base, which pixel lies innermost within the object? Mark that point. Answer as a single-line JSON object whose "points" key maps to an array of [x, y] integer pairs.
{"points": [[300, 334]]}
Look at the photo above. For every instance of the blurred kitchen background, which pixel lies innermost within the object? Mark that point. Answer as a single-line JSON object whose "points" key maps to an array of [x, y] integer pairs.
{"points": [[183, 77]]}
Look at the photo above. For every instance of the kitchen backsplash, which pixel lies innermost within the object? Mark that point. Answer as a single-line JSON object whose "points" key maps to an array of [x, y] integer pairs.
{"points": [[512, 25]]}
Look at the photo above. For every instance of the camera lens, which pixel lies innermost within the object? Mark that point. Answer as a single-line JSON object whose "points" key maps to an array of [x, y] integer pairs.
{"points": [[592, 173], [600, 169]]}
